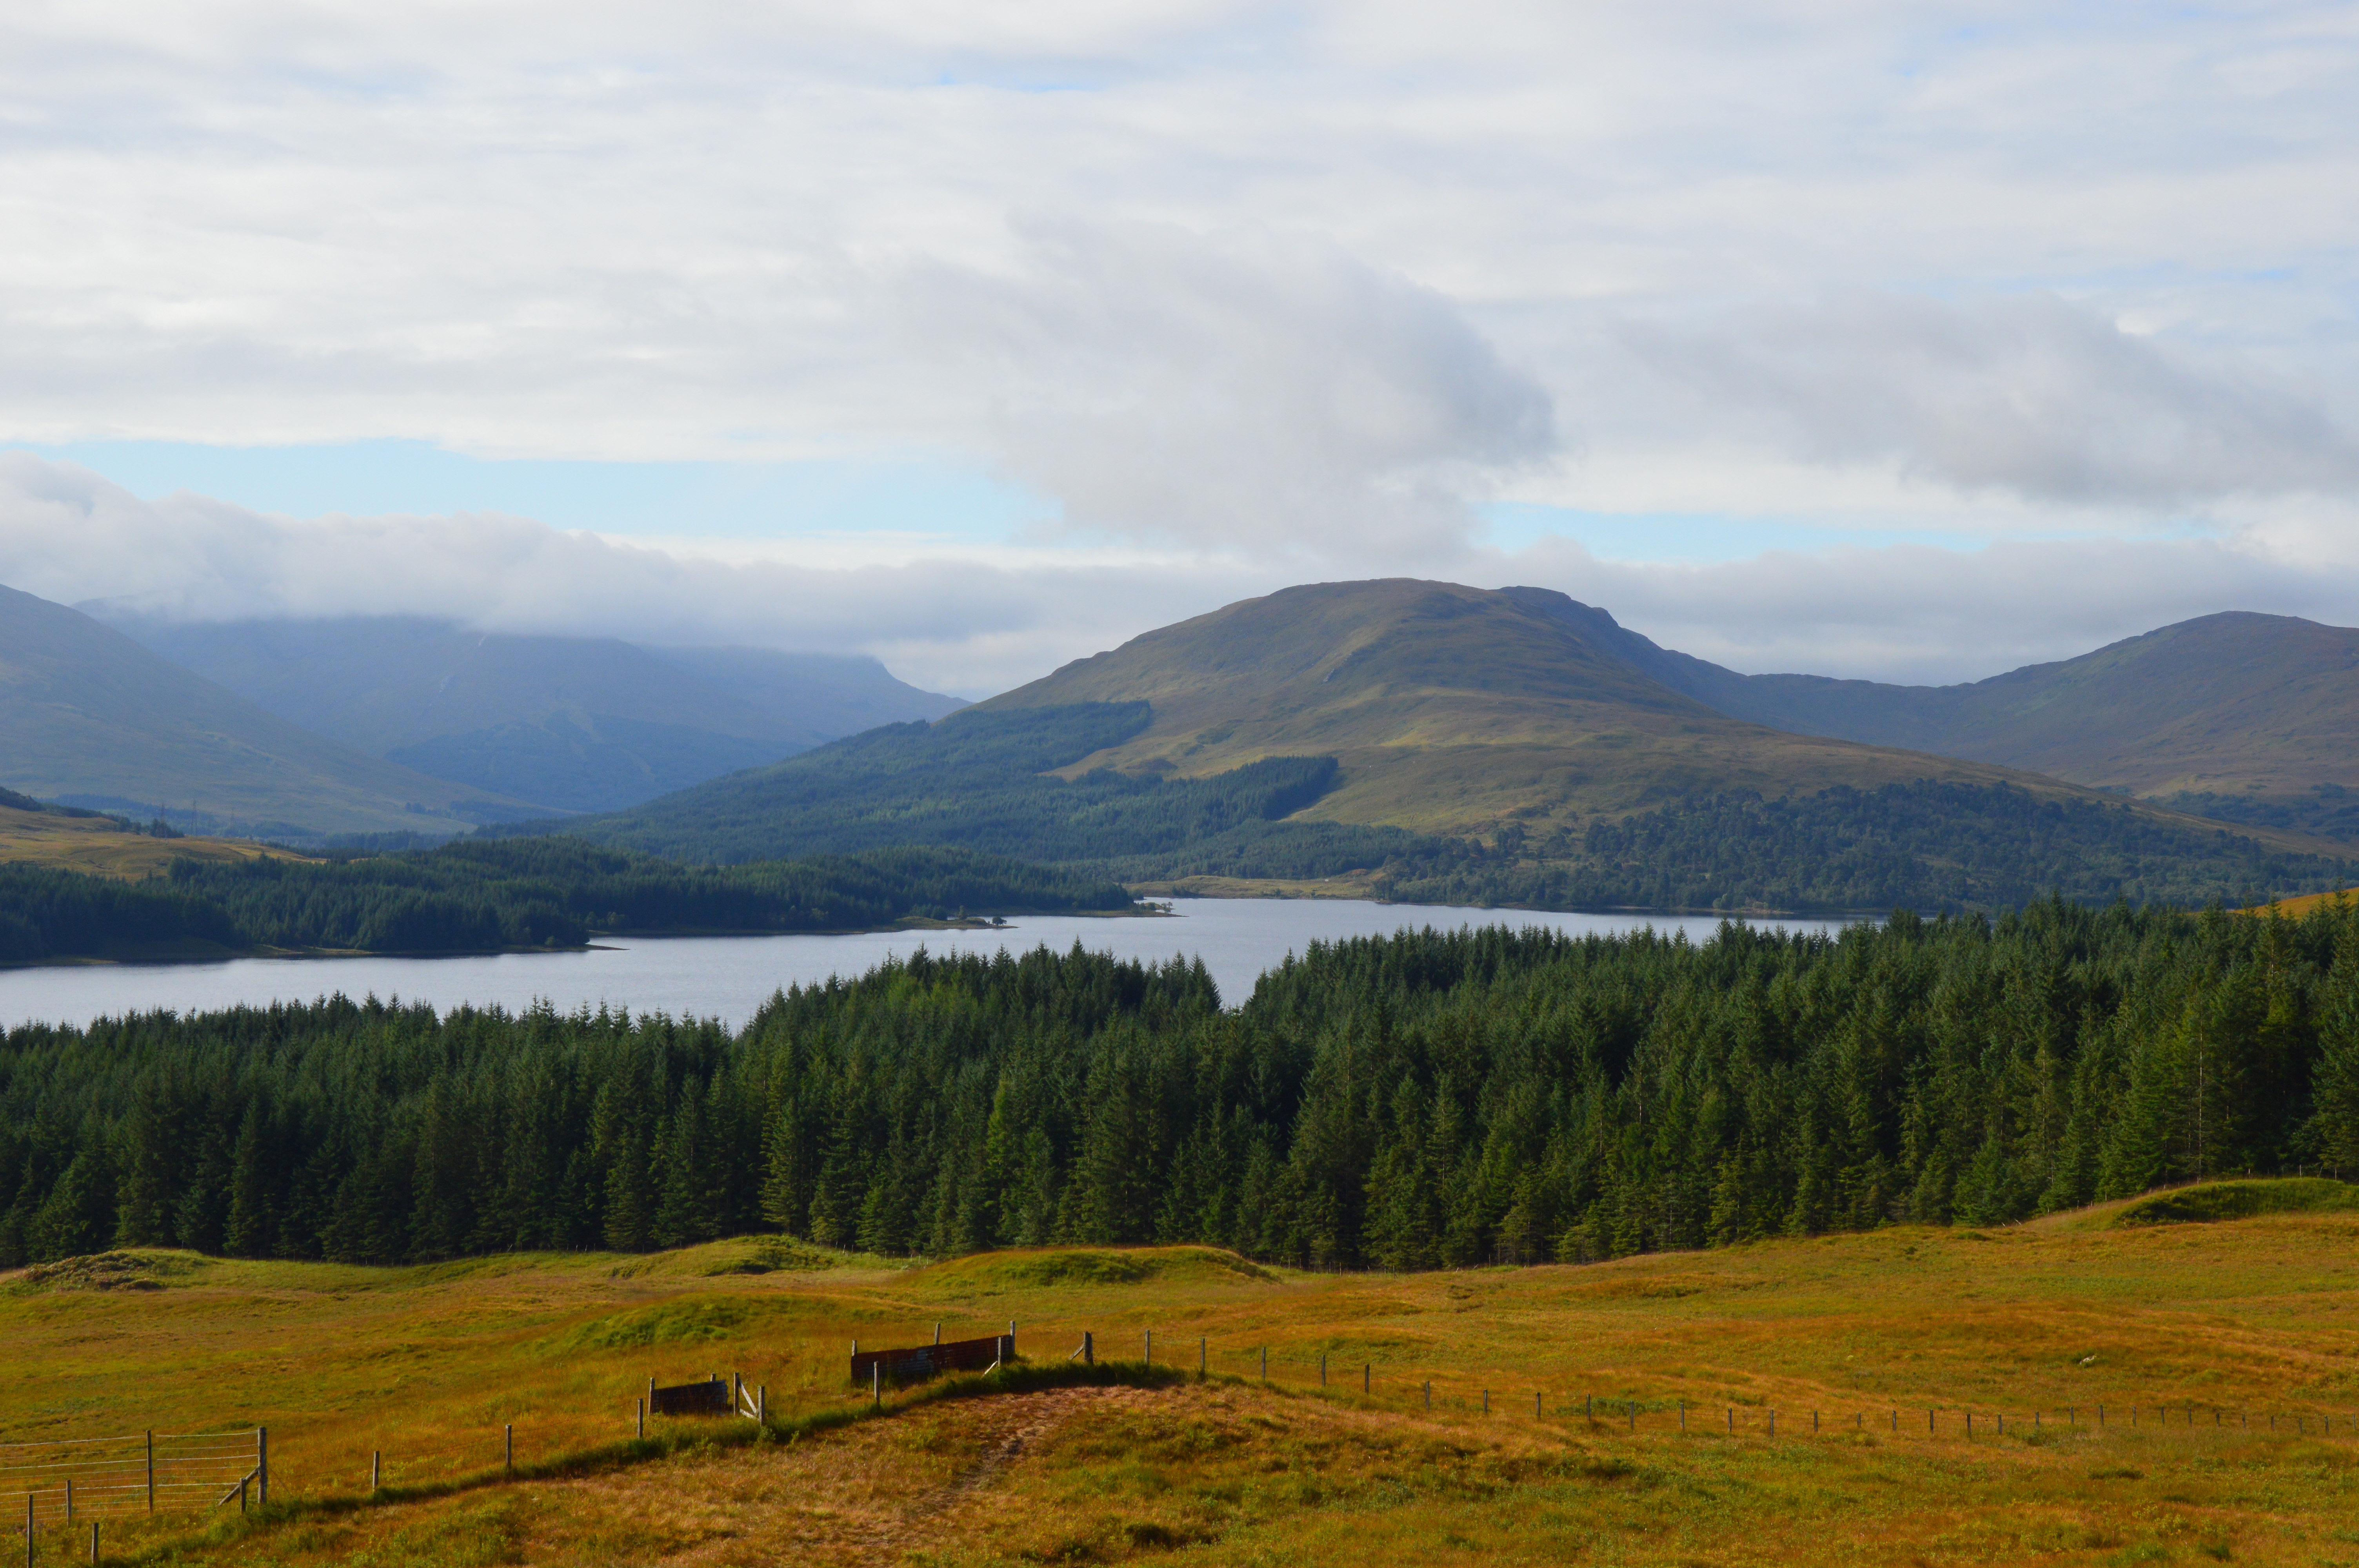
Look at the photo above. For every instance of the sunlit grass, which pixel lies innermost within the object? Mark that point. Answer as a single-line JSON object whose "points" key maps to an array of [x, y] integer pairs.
{"points": [[2223, 1323]]}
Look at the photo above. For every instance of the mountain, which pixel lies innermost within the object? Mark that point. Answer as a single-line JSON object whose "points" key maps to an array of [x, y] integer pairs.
{"points": [[574, 723], [1448, 709], [1431, 742], [92, 719], [2244, 717]]}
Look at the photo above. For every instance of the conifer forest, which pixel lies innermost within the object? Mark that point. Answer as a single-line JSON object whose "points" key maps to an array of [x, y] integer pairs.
{"points": [[1411, 1102]]}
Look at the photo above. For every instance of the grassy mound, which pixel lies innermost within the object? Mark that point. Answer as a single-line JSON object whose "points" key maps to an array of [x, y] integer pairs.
{"points": [[2240, 1200], [990, 1273]]}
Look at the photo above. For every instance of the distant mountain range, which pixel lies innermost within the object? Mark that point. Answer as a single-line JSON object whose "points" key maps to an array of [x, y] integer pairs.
{"points": [[571, 723], [2251, 719], [92, 719], [1424, 731], [1469, 745]]}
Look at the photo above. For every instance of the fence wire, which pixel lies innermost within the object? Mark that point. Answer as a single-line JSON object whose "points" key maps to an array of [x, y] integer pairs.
{"points": [[72, 1478]]}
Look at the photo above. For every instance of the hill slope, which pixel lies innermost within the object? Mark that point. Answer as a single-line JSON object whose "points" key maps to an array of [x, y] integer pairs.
{"points": [[2251, 718], [94, 719], [576, 723], [1450, 710], [1454, 744]]}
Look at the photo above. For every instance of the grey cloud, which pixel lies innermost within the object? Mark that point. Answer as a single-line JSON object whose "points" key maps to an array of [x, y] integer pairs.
{"points": [[1259, 393], [1921, 614], [2033, 395], [966, 626]]}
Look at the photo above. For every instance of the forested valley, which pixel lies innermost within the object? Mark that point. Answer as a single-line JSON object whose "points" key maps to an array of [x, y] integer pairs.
{"points": [[479, 895], [1411, 1102]]}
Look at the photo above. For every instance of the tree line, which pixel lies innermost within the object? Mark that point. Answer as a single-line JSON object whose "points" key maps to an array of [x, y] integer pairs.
{"points": [[479, 895], [1428, 1099]]}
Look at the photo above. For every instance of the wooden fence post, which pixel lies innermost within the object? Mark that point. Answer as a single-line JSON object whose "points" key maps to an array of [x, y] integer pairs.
{"points": [[507, 1447], [1536, 1404], [151, 1472], [1367, 1372], [1265, 1363], [69, 1500], [93, 1541], [1149, 1353], [28, 1527], [938, 1333], [1203, 1354], [642, 1405], [762, 1405], [876, 1385], [377, 1469], [262, 1465]]}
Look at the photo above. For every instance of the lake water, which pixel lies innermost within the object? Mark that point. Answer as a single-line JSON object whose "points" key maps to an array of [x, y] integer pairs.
{"points": [[729, 977]]}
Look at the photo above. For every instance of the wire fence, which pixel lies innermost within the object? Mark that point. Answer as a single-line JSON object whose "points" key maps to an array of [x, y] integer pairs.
{"points": [[65, 1479]]}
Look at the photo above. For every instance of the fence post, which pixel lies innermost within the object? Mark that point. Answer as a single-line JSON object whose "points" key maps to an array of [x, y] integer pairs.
{"points": [[1773, 1423], [1367, 1371], [262, 1465], [1151, 1347], [1265, 1363], [377, 1469], [69, 1500], [1634, 1415], [151, 1471], [1487, 1401], [1089, 1348], [1536, 1404], [642, 1430], [507, 1447], [1203, 1354], [1428, 1394], [938, 1333], [762, 1405], [28, 1527], [93, 1541]]}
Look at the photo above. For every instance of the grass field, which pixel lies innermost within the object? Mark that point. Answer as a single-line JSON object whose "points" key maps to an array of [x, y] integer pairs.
{"points": [[2292, 907], [96, 846], [2196, 1336]]}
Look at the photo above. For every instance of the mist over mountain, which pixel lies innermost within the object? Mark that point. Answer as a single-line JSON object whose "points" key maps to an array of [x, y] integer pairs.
{"points": [[571, 723], [92, 719]]}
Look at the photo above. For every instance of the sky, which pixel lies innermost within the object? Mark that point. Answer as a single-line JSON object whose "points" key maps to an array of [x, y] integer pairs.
{"points": [[1915, 342]]}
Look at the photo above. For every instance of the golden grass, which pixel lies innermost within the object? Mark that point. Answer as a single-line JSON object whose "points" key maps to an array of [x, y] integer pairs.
{"points": [[2303, 905], [2233, 1321], [95, 845]]}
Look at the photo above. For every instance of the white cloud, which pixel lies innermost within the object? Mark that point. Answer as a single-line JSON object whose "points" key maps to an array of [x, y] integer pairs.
{"points": [[1251, 291]]}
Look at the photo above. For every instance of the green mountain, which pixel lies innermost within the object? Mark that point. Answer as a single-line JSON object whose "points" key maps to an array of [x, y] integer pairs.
{"points": [[1429, 740], [2247, 718], [1448, 709], [575, 723], [92, 719]]}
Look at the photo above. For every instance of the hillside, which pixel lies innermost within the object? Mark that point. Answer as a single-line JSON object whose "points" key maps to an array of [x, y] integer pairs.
{"points": [[94, 720], [574, 723], [101, 846], [1449, 708], [1451, 742], [2249, 718], [1619, 1411]]}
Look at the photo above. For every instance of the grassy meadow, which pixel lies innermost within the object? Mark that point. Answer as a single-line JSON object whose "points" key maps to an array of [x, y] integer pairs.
{"points": [[2207, 1328], [97, 847]]}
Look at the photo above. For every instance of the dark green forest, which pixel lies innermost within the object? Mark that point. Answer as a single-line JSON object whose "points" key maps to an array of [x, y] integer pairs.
{"points": [[1927, 846], [476, 896], [979, 779], [984, 779], [1411, 1102]]}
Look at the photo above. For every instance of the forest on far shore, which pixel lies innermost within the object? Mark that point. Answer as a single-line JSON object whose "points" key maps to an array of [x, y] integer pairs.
{"points": [[483, 895]]}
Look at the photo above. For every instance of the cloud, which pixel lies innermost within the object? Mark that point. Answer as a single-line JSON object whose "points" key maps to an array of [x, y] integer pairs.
{"points": [[1916, 613], [966, 625], [1259, 393], [2034, 395]]}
